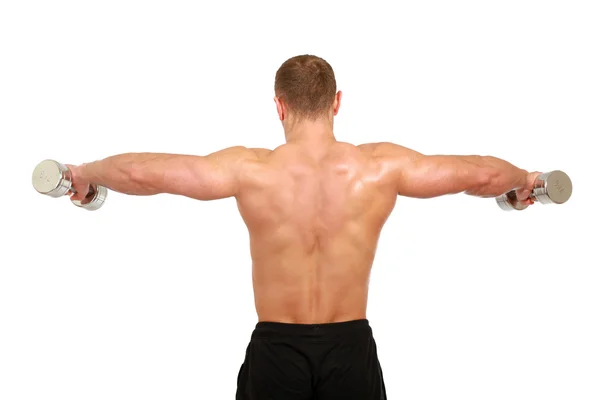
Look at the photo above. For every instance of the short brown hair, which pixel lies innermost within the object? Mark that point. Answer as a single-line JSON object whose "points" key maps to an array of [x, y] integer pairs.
{"points": [[306, 84]]}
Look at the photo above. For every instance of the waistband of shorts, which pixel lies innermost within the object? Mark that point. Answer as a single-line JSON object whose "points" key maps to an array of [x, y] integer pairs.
{"points": [[277, 329]]}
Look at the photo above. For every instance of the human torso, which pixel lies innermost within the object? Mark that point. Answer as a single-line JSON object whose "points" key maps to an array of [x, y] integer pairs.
{"points": [[314, 219]]}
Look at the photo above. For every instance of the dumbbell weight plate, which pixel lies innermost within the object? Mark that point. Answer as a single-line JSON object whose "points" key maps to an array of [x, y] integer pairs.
{"points": [[94, 200], [51, 178], [554, 187], [508, 202]]}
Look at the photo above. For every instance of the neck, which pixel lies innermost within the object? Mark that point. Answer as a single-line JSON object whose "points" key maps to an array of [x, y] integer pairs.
{"points": [[308, 131]]}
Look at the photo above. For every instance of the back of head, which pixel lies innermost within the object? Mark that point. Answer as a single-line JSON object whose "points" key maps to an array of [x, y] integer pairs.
{"points": [[306, 85]]}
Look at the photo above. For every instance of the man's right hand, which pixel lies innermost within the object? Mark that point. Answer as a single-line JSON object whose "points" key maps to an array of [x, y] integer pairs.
{"points": [[524, 192]]}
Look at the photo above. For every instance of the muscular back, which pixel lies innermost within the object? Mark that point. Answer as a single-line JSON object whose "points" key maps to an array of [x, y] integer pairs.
{"points": [[314, 219], [314, 210]]}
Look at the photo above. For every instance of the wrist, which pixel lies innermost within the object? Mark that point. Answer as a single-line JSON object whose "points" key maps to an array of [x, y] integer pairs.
{"points": [[77, 171], [523, 178]]}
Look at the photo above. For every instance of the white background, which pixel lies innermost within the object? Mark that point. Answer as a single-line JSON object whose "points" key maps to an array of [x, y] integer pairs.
{"points": [[151, 297]]}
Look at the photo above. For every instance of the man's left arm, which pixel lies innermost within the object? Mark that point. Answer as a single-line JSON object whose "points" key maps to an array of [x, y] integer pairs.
{"points": [[210, 177]]}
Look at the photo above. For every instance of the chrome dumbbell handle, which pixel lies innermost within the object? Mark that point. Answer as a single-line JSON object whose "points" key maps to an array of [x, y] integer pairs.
{"points": [[554, 187], [54, 179]]}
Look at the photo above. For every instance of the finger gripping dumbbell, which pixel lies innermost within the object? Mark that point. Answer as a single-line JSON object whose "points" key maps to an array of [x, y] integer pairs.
{"points": [[554, 187], [54, 179]]}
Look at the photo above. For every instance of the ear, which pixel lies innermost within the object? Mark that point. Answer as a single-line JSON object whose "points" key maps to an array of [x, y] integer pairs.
{"points": [[280, 110], [337, 102]]}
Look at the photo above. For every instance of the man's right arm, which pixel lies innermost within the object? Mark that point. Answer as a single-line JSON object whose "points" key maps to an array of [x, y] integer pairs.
{"points": [[425, 176]]}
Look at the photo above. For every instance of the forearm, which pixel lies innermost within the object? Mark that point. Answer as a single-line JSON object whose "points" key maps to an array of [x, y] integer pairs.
{"points": [[129, 173], [501, 176]]}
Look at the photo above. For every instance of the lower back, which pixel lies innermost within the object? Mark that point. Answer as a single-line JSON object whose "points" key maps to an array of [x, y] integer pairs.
{"points": [[310, 290]]}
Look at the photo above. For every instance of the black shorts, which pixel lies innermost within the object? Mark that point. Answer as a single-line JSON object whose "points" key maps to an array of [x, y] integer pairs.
{"points": [[324, 362]]}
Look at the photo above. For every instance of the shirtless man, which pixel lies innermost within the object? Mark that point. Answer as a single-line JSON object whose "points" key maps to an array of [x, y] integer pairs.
{"points": [[314, 208]]}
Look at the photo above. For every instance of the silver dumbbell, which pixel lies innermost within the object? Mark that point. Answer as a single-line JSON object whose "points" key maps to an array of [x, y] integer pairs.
{"points": [[55, 180], [554, 187]]}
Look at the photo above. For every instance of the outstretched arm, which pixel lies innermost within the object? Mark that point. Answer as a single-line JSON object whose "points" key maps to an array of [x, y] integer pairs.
{"points": [[424, 176], [210, 177]]}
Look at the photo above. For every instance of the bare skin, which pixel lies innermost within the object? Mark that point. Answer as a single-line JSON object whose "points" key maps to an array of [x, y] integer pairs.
{"points": [[314, 207]]}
